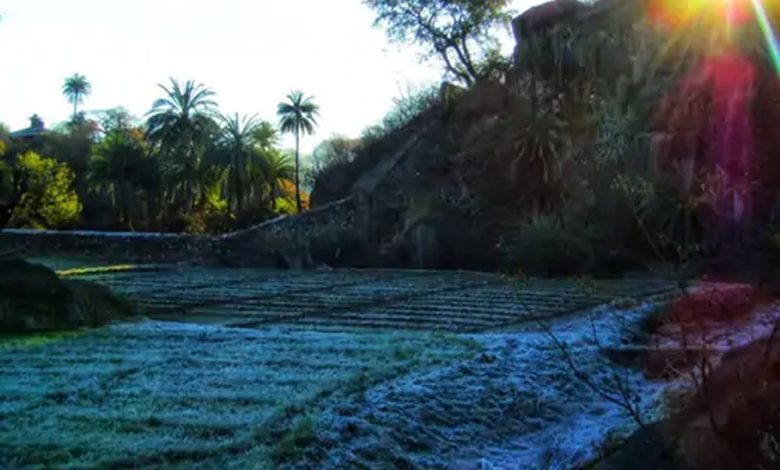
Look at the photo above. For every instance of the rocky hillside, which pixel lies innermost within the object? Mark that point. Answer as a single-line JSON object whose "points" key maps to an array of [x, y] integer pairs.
{"points": [[592, 122]]}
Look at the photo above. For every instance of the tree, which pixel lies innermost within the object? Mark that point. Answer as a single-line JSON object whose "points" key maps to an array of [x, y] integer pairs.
{"points": [[116, 119], [48, 199], [337, 150], [277, 170], [298, 115], [4, 138], [266, 136], [117, 169], [458, 32], [75, 89], [12, 187], [10, 184], [238, 139], [181, 125]]}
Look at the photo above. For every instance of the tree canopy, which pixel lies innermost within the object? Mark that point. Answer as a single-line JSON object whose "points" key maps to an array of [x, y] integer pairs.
{"points": [[50, 199], [75, 89], [457, 32]]}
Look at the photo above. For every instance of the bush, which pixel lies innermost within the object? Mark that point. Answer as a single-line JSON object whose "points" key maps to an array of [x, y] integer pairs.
{"points": [[33, 298], [50, 200], [544, 248], [411, 103]]}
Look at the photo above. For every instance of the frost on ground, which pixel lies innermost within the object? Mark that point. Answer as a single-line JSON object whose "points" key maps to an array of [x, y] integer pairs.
{"points": [[170, 394], [157, 393], [515, 405], [195, 396]]}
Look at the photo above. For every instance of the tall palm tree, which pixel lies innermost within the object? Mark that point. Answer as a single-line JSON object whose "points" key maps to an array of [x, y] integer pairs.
{"points": [[238, 140], [75, 89], [180, 124], [298, 115]]}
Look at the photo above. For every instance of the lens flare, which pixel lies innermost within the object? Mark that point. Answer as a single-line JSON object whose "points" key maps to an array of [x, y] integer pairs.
{"points": [[769, 34], [681, 13]]}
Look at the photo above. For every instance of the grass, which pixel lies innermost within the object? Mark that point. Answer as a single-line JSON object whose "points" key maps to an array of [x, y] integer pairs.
{"points": [[13, 340], [84, 271], [293, 444]]}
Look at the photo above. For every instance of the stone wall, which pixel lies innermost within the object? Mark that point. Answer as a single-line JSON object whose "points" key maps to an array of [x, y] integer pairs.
{"points": [[127, 246], [282, 242], [335, 215]]}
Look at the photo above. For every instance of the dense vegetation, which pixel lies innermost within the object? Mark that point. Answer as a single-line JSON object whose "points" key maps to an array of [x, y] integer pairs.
{"points": [[187, 167], [622, 134]]}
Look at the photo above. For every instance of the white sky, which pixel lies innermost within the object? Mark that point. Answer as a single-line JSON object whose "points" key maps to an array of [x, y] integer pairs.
{"points": [[251, 52]]}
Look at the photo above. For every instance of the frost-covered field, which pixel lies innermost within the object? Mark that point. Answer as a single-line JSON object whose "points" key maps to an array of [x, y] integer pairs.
{"points": [[516, 405], [384, 299], [151, 392], [340, 369]]}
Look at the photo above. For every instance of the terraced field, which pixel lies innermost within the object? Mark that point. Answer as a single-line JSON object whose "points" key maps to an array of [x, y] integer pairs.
{"points": [[245, 368], [158, 393], [386, 299]]}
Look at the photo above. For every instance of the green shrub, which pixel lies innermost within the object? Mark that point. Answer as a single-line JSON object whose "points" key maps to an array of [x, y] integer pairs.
{"points": [[33, 298], [545, 248]]}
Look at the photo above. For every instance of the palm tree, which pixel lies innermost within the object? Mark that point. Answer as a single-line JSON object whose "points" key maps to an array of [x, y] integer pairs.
{"points": [[276, 168], [180, 124], [266, 136], [117, 168], [298, 115], [75, 89], [238, 140]]}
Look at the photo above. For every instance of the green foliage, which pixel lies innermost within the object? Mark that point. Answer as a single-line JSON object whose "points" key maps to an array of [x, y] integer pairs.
{"points": [[120, 169], [116, 119], [3, 140], [334, 152], [457, 32], [185, 168], [213, 214], [75, 89], [33, 298], [298, 115], [241, 153], [6, 182], [412, 101], [180, 126], [544, 247], [16, 340], [49, 200], [10, 192], [409, 104]]}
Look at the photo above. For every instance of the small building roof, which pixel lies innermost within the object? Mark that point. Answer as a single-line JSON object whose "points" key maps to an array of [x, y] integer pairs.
{"points": [[36, 129]]}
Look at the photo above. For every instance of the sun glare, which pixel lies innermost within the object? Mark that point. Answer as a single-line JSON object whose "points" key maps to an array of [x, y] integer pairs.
{"points": [[721, 18]]}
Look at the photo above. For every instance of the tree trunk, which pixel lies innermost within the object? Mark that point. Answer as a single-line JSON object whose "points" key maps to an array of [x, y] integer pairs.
{"points": [[297, 172]]}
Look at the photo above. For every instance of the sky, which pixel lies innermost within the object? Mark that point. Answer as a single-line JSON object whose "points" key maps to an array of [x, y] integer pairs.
{"points": [[250, 52]]}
